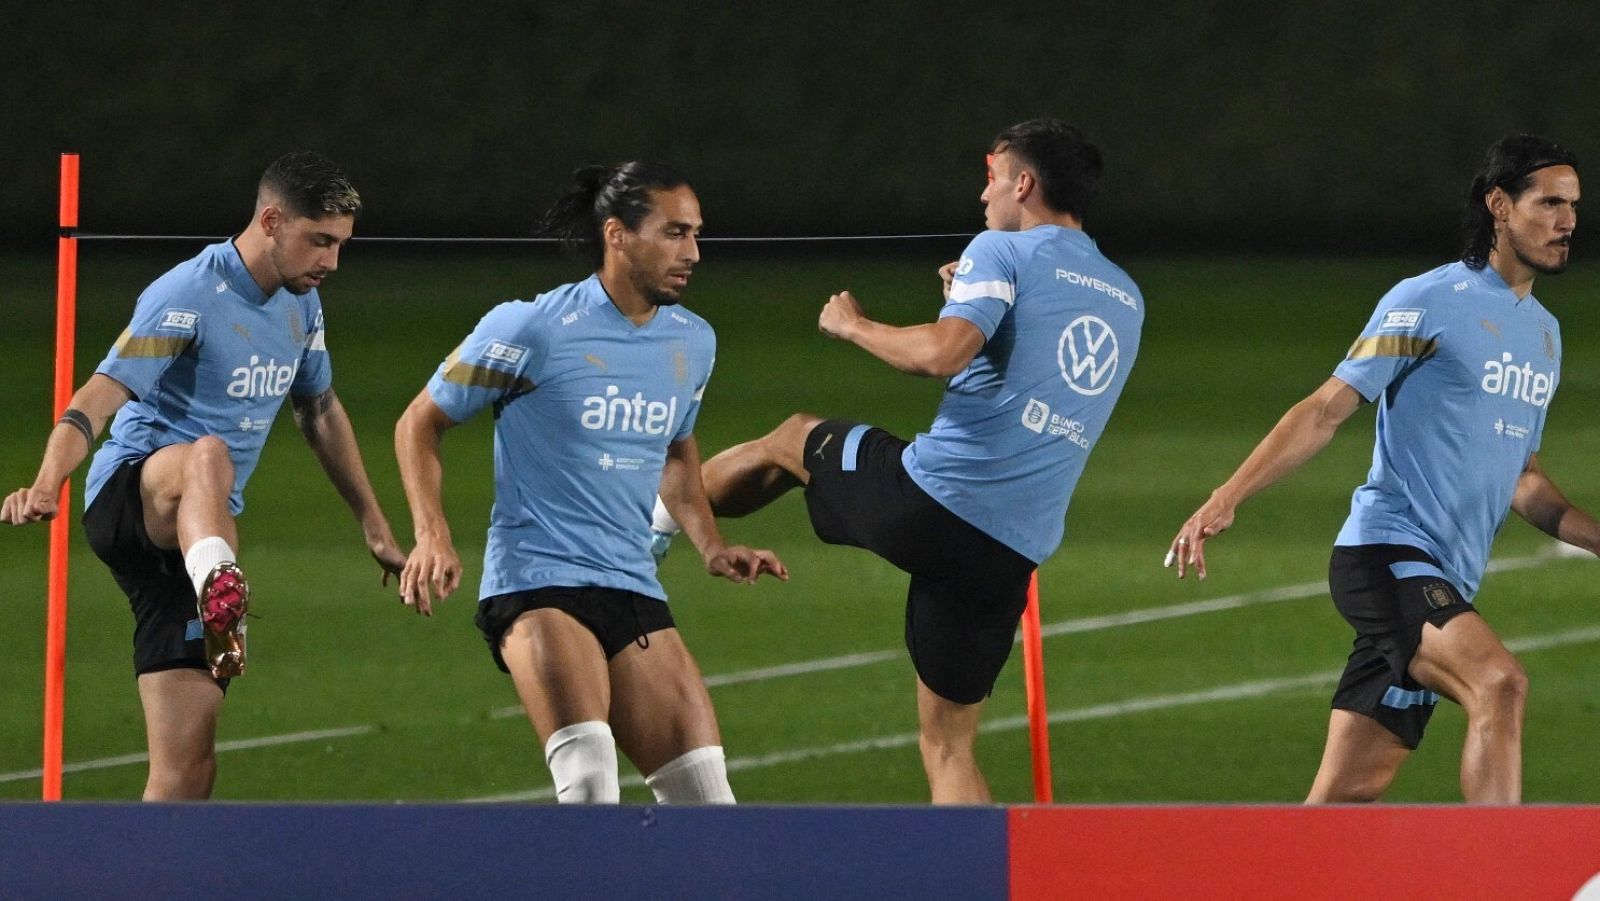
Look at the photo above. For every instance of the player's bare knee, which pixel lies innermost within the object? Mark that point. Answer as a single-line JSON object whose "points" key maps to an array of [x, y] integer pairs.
{"points": [[940, 744], [1503, 687], [210, 454], [186, 780]]}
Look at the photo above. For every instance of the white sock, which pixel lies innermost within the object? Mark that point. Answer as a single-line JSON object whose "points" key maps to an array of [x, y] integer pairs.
{"points": [[661, 520], [202, 557], [698, 777], [583, 762]]}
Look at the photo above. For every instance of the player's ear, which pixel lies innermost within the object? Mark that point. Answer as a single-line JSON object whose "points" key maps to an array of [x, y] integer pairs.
{"points": [[269, 217], [611, 231], [1026, 184], [1499, 204]]}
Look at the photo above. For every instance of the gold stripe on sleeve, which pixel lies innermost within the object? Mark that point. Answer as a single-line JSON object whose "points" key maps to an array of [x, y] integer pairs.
{"points": [[1392, 346], [130, 346], [459, 373]]}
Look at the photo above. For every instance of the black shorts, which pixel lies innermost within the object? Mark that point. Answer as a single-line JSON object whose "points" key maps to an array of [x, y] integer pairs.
{"points": [[166, 622], [617, 618], [1387, 592], [967, 590]]}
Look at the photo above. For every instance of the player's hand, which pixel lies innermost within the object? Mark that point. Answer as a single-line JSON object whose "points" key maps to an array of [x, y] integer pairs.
{"points": [[947, 274], [27, 505], [744, 565], [432, 572], [1188, 548], [387, 552], [840, 315]]}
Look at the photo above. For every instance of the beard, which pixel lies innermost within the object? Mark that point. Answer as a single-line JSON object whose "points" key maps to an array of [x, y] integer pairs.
{"points": [[656, 295], [661, 297], [1555, 268]]}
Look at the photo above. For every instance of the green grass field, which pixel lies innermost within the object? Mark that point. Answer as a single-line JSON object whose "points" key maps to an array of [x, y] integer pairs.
{"points": [[1229, 705]]}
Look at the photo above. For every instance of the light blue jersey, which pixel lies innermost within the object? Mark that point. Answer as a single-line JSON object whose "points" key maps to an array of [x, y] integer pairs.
{"points": [[1465, 372], [586, 404], [208, 353], [1061, 325]]}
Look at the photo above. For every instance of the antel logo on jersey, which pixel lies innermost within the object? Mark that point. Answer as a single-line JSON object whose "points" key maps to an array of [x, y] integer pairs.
{"points": [[964, 267], [504, 353], [1400, 320], [615, 413], [262, 379], [179, 320], [1087, 355], [1521, 382]]}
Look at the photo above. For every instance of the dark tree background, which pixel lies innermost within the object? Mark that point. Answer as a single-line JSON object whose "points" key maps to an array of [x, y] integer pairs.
{"points": [[1227, 126]]}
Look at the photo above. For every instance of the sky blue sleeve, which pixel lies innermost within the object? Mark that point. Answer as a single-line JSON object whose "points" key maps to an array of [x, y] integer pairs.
{"points": [[1399, 336], [985, 284], [165, 324], [316, 369], [498, 361]]}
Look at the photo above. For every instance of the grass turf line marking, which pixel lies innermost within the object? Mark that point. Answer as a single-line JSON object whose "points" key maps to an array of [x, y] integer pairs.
{"points": [[1238, 691], [241, 744], [1066, 627]]}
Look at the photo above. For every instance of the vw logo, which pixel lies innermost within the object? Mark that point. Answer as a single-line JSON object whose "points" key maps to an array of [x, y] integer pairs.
{"points": [[1087, 354]]}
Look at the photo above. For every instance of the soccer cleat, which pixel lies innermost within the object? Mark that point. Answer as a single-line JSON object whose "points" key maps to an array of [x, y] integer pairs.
{"points": [[659, 543], [223, 603]]}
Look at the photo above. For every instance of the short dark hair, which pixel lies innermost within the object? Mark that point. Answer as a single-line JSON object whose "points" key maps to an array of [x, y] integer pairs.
{"points": [[1509, 165], [599, 192], [309, 185], [1067, 164]]}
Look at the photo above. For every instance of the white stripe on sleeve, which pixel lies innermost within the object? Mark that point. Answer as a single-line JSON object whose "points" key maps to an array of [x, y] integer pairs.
{"points": [[961, 292]]}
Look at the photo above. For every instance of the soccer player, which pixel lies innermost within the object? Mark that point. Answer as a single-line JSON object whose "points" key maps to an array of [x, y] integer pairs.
{"points": [[194, 383], [595, 388], [1462, 362], [1037, 336]]}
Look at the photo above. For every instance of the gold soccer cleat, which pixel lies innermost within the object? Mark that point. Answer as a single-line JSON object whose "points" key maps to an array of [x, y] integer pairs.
{"points": [[222, 605]]}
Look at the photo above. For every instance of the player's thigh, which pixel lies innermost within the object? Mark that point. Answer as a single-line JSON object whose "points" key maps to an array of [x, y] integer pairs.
{"points": [[660, 708], [787, 444], [162, 481], [1360, 759], [1463, 658], [558, 668], [181, 707]]}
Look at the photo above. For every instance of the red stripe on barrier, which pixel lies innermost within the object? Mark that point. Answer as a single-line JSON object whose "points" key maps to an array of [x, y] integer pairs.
{"points": [[1303, 852]]}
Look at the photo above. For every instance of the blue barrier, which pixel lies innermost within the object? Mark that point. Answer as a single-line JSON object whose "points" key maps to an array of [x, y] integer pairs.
{"points": [[242, 851]]}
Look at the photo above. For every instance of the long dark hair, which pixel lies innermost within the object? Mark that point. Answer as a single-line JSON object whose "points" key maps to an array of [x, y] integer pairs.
{"points": [[1509, 165], [600, 192]]}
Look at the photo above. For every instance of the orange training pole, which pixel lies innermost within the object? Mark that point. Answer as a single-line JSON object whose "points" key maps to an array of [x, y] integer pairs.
{"points": [[55, 641], [1033, 680]]}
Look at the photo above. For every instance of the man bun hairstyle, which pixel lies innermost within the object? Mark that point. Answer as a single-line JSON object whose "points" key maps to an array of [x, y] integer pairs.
{"points": [[1067, 164], [308, 185], [599, 192], [1509, 165]]}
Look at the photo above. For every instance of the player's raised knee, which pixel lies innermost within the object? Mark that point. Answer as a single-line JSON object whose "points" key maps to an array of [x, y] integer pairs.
{"points": [[209, 454]]}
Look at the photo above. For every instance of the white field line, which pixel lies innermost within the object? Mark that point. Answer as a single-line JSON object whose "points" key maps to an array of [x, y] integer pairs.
{"points": [[1065, 627], [1235, 692], [848, 661], [242, 744]]}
